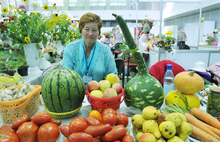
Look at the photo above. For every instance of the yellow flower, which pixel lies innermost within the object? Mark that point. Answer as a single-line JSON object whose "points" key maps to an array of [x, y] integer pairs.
{"points": [[46, 7], [169, 32], [68, 19], [49, 29], [24, 1], [74, 16], [54, 6], [5, 10], [72, 25], [57, 36], [27, 39], [77, 22]]}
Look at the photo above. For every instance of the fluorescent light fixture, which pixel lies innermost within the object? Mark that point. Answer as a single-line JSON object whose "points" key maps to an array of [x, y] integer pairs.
{"points": [[181, 1]]}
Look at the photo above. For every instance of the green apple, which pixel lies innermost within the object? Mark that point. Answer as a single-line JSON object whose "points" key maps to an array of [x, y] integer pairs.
{"points": [[97, 93], [104, 84]]}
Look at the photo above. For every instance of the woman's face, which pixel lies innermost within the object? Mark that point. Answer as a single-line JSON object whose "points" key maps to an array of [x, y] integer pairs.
{"points": [[90, 33]]}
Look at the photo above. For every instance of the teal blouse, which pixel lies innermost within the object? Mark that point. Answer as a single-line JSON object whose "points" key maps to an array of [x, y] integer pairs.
{"points": [[102, 62]]}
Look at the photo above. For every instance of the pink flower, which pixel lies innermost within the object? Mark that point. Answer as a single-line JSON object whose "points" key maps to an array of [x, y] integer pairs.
{"points": [[22, 7]]}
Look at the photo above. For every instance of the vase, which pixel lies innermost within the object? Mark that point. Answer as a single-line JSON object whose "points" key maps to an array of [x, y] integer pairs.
{"points": [[23, 70], [59, 47], [32, 57]]}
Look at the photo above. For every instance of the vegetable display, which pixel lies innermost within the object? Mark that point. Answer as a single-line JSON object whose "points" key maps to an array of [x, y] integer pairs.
{"points": [[63, 90], [143, 89]]}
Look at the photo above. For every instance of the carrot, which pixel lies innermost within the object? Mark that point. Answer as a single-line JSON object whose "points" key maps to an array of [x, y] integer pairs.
{"points": [[213, 129], [194, 121], [206, 117], [202, 135]]}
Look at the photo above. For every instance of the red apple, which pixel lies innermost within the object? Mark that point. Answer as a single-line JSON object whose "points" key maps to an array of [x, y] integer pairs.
{"points": [[109, 92], [117, 87], [93, 85]]}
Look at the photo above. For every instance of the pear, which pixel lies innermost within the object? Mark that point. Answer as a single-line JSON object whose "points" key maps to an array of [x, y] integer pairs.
{"points": [[161, 140], [137, 120], [175, 118], [186, 129], [175, 139], [150, 113], [167, 129], [147, 137], [139, 134], [151, 126]]}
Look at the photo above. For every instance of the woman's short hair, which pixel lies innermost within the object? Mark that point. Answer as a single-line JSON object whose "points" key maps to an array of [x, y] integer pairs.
{"points": [[90, 18]]}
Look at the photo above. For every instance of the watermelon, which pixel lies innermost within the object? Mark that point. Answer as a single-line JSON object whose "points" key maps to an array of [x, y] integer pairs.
{"points": [[143, 89], [63, 90]]}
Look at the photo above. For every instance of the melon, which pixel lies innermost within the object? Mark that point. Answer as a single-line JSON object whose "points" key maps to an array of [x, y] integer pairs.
{"points": [[143, 89], [63, 90]]}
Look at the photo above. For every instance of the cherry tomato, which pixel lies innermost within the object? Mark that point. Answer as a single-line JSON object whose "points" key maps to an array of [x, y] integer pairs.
{"points": [[80, 137], [8, 136], [116, 133], [96, 114], [78, 125], [20, 120], [27, 132], [98, 130], [128, 138], [122, 119], [111, 110], [110, 118], [7, 128], [93, 121], [41, 117], [64, 129], [58, 122], [48, 132]]}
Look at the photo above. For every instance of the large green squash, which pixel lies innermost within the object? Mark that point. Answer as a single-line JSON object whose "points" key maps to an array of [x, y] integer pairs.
{"points": [[142, 90], [63, 90]]}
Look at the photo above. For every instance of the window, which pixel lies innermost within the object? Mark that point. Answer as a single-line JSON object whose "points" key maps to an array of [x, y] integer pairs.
{"points": [[58, 2], [97, 3], [118, 3], [75, 3]]}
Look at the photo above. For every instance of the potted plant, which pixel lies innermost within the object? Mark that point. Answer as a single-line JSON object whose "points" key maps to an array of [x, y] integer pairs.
{"points": [[22, 64]]}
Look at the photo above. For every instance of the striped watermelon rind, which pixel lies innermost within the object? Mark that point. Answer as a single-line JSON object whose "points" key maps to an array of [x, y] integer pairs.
{"points": [[63, 90]]}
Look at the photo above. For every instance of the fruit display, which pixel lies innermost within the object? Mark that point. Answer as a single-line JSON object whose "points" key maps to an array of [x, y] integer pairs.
{"points": [[143, 89], [63, 90], [155, 125], [108, 88]]}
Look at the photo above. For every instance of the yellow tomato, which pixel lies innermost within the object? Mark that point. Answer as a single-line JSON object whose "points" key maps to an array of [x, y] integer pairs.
{"points": [[173, 96], [96, 114]]}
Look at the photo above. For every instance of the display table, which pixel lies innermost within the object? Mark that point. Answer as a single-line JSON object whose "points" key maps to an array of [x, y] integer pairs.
{"points": [[208, 47]]}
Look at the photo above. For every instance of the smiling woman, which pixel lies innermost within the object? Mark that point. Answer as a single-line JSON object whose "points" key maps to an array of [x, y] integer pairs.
{"points": [[88, 57]]}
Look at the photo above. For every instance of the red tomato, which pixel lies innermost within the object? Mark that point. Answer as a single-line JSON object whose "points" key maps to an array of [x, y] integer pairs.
{"points": [[41, 117], [8, 136], [96, 140], [58, 122], [80, 137], [48, 132], [116, 133], [110, 118], [27, 132], [93, 121], [78, 125], [116, 141], [122, 119], [20, 120], [98, 130], [128, 138], [66, 140], [80, 118], [7, 128], [111, 110], [64, 129]]}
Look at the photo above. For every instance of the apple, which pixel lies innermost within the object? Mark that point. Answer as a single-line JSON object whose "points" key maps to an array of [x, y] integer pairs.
{"points": [[117, 87], [104, 84], [93, 85], [147, 137], [109, 93], [97, 93], [112, 78]]}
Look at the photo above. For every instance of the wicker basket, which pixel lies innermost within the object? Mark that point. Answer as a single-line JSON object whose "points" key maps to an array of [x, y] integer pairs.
{"points": [[29, 104]]}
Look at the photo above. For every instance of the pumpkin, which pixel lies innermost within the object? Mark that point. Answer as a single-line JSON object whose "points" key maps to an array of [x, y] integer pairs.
{"points": [[143, 89], [188, 82], [174, 97]]}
